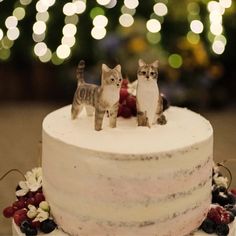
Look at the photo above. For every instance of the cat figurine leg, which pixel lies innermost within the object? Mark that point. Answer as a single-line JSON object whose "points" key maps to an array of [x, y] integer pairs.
{"points": [[113, 115], [99, 114], [75, 110], [142, 119], [89, 110]]}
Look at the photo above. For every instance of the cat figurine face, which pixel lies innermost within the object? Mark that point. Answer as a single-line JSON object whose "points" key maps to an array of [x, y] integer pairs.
{"points": [[104, 98], [147, 72]]}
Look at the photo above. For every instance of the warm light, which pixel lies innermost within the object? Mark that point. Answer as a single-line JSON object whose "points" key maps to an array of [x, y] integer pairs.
{"points": [[215, 17], [63, 51], [126, 10], [100, 21], [72, 19], [1, 34], [153, 25], [215, 6], [98, 33], [25, 2], [39, 27], [126, 20], [69, 30], [69, 9], [103, 2], [11, 22], [46, 57], [19, 13], [153, 38], [7, 43], [160, 9], [42, 16], [216, 29], [40, 49], [175, 61], [69, 41], [80, 6], [56, 60], [196, 26], [4, 53], [40, 7], [96, 11], [221, 38], [111, 4], [38, 37], [48, 3], [226, 3], [193, 38], [218, 47], [13, 33], [131, 4], [193, 8]]}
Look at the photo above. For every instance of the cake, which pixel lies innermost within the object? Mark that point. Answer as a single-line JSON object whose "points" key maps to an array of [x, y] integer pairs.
{"points": [[129, 180]]}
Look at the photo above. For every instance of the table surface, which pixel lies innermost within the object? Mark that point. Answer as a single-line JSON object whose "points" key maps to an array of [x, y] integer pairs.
{"points": [[20, 136]]}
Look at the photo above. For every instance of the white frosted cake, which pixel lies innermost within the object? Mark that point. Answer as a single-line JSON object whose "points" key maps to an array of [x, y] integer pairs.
{"points": [[128, 181]]}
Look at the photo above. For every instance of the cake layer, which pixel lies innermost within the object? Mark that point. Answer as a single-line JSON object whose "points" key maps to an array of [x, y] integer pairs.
{"points": [[129, 180]]}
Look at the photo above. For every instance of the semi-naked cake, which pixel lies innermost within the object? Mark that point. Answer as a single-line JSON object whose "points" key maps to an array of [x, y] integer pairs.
{"points": [[128, 181]]}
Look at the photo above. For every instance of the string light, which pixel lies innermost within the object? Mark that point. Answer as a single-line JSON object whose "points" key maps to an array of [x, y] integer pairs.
{"points": [[46, 57], [196, 26], [69, 41], [103, 2], [218, 47], [13, 33], [216, 29], [98, 33], [153, 25], [1, 34], [48, 3], [63, 51], [42, 16], [69, 9], [38, 37], [175, 61], [126, 10], [226, 3], [41, 7], [126, 20], [160, 9], [40, 49], [71, 20], [131, 3], [11, 22], [80, 7], [39, 27], [69, 30], [111, 4], [19, 13], [100, 21], [25, 2]]}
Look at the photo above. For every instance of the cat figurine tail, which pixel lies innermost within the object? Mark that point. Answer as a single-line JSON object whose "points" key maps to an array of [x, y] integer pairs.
{"points": [[80, 72]]}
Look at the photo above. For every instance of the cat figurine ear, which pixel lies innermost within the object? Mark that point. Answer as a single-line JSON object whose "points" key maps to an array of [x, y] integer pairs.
{"points": [[105, 68], [118, 68], [155, 63], [141, 62]]}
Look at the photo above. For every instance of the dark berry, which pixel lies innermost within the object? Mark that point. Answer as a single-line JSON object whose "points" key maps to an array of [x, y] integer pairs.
{"points": [[126, 112], [233, 210], [222, 199], [31, 201], [231, 198], [39, 197], [19, 204], [208, 226], [24, 225], [35, 224], [222, 230], [123, 94], [231, 216], [8, 212], [30, 231], [131, 102], [47, 226], [214, 215], [165, 102]]}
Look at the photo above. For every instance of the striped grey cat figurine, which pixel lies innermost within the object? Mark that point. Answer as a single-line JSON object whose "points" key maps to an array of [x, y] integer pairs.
{"points": [[102, 99], [149, 101]]}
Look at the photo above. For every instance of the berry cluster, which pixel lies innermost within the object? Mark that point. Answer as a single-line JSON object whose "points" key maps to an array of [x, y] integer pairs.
{"points": [[223, 210], [127, 103], [31, 213]]}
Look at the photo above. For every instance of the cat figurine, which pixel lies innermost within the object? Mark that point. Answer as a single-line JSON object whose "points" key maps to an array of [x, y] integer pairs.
{"points": [[148, 99], [102, 99]]}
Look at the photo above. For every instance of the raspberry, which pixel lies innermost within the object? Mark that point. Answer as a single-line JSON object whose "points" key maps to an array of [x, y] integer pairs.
{"points": [[19, 204], [125, 83], [123, 94], [208, 226], [31, 201], [214, 215], [19, 216], [8, 212], [39, 197], [125, 112], [222, 229], [131, 102]]}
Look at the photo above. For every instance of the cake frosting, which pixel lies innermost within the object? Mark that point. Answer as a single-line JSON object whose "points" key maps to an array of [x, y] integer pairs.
{"points": [[129, 180]]}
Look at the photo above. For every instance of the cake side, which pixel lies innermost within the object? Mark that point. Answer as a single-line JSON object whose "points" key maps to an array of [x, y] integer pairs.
{"points": [[111, 189]]}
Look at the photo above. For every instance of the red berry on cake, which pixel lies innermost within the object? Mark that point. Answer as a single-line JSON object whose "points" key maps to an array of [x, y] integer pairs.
{"points": [[39, 197], [131, 102], [126, 112], [31, 201], [214, 215], [9, 211], [19, 216], [125, 83], [123, 94], [19, 204]]}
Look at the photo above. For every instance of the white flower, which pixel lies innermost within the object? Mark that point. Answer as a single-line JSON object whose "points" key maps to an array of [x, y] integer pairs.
{"points": [[221, 181], [41, 215], [32, 212], [32, 183], [132, 87]]}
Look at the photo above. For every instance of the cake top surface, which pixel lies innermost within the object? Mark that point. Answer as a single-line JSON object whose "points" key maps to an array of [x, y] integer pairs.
{"points": [[183, 129]]}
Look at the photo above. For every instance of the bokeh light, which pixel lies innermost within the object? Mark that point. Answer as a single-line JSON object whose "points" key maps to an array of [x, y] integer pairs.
{"points": [[175, 61], [193, 8], [25, 2], [38, 37], [111, 4], [226, 3], [193, 38], [126, 10], [160, 9], [13, 33], [63, 51], [69, 9], [216, 29], [19, 13], [196, 26], [218, 47], [96, 11], [100, 21], [11, 22], [72, 19], [39, 27], [40, 49], [126, 20], [42, 16], [98, 33], [69, 41], [1, 34], [80, 6], [41, 7], [153, 38], [103, 2], [153, 25], [69, 30], [46, 57], [131, 3]]}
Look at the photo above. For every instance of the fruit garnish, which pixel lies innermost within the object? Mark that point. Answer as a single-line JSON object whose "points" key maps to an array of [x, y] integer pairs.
{"points": [[9, 211], [208, 226], [19, 216], [222, 230], [47, 226]]}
